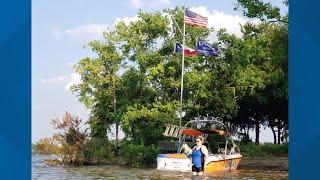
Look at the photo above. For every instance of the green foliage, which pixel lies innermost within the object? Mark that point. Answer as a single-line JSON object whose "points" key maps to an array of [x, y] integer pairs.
{"points": [[97, 151], [259, 60], [70, 138], [242, 84], [72, 144], [145, 126], [138, 155], [263, 150], [99, 84], [259, 9], [277, 150], [134, 81], [214, 141], [46, 146]]}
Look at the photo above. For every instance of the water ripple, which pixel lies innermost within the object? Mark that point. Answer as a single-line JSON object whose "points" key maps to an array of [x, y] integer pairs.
{"points": [[42, 171]]}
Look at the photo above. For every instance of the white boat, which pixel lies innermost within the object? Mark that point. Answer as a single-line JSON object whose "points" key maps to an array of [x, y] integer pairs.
{"points": [[226, 157]]}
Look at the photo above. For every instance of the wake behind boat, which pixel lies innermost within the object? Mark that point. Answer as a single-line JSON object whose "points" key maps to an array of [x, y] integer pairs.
{"points": [[223, 156]]}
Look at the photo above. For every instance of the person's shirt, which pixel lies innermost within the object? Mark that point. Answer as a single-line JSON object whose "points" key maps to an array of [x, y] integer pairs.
{"points": [[204, 150], [196, 155]]}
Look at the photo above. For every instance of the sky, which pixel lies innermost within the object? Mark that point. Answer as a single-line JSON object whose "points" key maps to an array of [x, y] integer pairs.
{"points": [[61, 29]]}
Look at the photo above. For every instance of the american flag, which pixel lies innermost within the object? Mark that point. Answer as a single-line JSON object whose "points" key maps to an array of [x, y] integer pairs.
{"points": [[192, 18]]}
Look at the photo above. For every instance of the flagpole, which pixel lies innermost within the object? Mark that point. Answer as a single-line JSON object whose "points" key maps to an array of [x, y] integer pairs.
{"points": [[182, 63]]}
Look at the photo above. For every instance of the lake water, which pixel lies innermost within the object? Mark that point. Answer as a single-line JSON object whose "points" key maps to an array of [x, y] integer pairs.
{"points": [[42, 171]]}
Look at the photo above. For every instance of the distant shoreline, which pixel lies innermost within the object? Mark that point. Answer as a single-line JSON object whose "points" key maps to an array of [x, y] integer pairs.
{"points": [[272, 163]]}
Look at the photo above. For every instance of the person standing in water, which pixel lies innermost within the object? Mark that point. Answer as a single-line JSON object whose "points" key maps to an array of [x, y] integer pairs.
{"points": [[199, 153]]}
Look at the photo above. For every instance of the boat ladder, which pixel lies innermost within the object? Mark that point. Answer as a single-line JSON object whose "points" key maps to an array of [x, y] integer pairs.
{"points": [[173, 130]]}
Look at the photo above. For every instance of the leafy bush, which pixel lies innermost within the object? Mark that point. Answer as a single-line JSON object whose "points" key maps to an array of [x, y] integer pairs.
{"points": [[71, 138], [252, 150], [46, 146], [275, 149], [97, 151], [262, 150], [138, 155]]}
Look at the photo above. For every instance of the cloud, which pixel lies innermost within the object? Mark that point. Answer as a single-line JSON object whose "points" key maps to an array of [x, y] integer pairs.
{"points": [[216, 19], [68, 80], [127, 20], [87, 31], [74, 79], [56, 33], [136, 3], [149, 4], [69, 64], [53, 80], [219, 20]]}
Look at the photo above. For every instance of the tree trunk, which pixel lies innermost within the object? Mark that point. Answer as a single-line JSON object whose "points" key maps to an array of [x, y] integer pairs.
{"points": [[117, 138], [248, 138], [274, 135], [257, 130], [117, 123], [279, 131]]}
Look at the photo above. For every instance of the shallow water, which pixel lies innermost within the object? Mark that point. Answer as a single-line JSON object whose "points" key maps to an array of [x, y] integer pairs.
{"points": [[42, 171]]}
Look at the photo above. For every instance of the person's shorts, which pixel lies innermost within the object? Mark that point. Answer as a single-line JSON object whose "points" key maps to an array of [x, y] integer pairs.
{"points": [[196, 169]]}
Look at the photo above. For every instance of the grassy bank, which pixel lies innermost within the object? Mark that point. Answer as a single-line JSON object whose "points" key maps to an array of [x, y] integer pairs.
{"points": [[98, 152], [76, 147], [102, 153], [263, 150]]}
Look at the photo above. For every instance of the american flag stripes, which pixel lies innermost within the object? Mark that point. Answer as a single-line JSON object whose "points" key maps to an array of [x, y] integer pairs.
{"points": [[192, 18]]}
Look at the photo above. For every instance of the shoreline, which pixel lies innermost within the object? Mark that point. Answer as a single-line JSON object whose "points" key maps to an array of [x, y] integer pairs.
{"points": [[272, 163]]}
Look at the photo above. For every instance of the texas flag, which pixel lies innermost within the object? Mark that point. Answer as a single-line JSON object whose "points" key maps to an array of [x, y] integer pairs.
{"points": [[187, 51]]}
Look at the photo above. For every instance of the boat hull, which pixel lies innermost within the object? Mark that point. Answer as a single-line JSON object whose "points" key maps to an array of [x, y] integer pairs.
{"points": [[173, 162], [222, 165], [180, 162]]}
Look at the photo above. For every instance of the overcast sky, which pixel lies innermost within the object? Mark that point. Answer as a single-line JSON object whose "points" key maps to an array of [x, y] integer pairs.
{"points": [[61, 28]]}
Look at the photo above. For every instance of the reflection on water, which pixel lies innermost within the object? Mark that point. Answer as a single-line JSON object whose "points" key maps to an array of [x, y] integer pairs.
{"points": [[42, 171]]}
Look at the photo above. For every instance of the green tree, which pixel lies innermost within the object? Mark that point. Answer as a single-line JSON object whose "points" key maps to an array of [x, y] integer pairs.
{"points": [[247, 78], [260, 59], [98, 88], [71, 138]]}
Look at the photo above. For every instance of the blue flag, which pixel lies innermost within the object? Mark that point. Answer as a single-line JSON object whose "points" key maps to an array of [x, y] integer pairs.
{"points": [[202, 47], [177, 48]]}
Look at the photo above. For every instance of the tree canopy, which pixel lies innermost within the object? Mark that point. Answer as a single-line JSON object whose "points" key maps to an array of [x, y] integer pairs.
{"points": [[135, 79]]}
